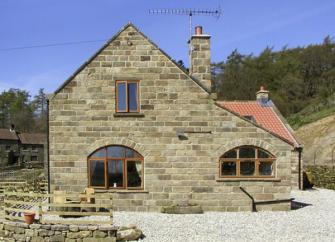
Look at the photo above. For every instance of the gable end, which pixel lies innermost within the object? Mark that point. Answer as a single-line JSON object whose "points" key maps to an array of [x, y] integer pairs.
{"points": [[67, 81]]}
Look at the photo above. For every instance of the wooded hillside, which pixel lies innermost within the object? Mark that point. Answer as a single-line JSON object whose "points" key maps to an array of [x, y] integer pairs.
{"points": [[301, 80]]}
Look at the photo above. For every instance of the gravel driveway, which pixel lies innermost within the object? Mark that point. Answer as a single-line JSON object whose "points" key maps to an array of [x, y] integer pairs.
{"points": [[311, 223]]}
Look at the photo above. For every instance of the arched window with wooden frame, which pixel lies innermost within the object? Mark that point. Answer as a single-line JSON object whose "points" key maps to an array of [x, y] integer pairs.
{"points": [[247, 162], [115, 167]]}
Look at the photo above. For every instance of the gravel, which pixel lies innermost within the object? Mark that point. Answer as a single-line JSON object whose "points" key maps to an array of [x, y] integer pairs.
{"points": [[310, 223]]}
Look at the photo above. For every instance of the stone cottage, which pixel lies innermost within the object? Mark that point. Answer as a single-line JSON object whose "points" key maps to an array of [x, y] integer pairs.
{"points": [[130, 121], [16, 147], [9, 147], [32, 147]]}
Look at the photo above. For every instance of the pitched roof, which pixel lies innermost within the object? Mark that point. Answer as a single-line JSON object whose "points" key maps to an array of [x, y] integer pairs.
{"points": [[110, 41], [8, 135], [264, 116], [34, 139]]}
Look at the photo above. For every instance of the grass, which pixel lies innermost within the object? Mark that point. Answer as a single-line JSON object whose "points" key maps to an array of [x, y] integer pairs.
{"points": [[310, 114]]}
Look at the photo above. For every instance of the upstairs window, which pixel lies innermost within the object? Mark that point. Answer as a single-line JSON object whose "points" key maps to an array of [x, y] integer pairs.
{"points": [[247, 161], [127, 97]]}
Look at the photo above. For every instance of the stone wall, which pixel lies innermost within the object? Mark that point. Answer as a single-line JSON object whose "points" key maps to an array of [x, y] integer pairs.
{"points": [[82, 119], [14, 146], [27, 151], [295, 170], [18, 231]]}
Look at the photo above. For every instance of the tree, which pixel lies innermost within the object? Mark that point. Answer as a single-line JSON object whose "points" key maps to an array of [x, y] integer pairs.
{"points": [[295, 77], [39, 105], [16, 109]]}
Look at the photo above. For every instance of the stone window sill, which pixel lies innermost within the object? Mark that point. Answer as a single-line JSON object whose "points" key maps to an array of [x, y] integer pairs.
{"points": [[136, 115], [232, 179], [120, 191]]}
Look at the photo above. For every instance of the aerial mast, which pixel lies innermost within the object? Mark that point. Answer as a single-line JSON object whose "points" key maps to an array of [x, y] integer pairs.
{"points": [[190, 12]]}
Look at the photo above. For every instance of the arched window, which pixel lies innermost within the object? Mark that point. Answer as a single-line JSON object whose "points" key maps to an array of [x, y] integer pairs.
{"points": [[116, 167], [247, 161]]}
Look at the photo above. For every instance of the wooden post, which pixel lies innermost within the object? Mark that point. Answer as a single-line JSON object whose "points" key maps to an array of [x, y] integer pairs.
{"points": [[111, 208], [40, 211]]}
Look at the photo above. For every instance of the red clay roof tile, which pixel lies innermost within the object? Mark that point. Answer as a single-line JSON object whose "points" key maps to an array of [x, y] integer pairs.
{"points": [[264, 115]]}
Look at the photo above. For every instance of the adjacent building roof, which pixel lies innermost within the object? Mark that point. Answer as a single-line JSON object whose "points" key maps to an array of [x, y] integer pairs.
{"points": [[8, 135], [25, 138], [33, 139], [265, 116]]}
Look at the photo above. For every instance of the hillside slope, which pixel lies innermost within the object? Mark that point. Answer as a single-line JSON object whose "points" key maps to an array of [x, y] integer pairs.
{"points": [[318, 139]]}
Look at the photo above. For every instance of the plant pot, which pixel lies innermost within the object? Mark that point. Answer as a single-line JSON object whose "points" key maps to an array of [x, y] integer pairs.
{"points": [[29, 218]]}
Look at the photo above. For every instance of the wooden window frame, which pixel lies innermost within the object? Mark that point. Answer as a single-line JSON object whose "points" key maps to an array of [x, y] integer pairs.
{"points": [[31, 158], [256, 160], [127, 110], [124, 160]]}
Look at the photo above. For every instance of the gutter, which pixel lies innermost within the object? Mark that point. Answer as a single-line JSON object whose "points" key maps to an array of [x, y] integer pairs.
{"points": [[48, 146], [299, 149]]}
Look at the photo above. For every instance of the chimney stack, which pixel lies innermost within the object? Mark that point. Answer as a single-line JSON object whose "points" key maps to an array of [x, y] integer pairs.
{"points": [[200, 64], [262, 96]]}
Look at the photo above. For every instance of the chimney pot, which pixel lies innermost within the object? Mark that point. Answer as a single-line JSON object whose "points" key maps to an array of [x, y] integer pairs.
{"points": [[200, 58], [198, 30], [262, 96]]}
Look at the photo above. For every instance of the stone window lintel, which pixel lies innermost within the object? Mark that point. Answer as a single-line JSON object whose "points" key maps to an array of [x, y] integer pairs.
{"points": [[135, 115], [252, 179]]}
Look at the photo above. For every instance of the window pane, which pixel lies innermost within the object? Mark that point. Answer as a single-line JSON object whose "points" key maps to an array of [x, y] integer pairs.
{"points": [[134, 174], [266, 168], [247, 168], [116, 152], [97, 173], [263, 154], [115, 173], [99, 153], [230, 154], [247, 152], [133, 96], [121, 97], [228, 169], [132, 153]]}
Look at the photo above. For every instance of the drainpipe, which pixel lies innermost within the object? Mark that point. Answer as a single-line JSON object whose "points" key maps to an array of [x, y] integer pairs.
{"points": [[48, 146], [299, 149]]}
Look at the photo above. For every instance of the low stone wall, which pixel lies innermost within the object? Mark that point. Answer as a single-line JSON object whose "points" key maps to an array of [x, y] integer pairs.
{"points": [[321, 176], [18, 231]]}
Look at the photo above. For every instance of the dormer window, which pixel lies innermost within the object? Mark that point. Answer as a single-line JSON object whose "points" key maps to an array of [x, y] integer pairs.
{"points": [[127, 97], [250, 117]]}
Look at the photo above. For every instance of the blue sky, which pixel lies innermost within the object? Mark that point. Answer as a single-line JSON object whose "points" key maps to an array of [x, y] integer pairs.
{"points": [[248, 26]]}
